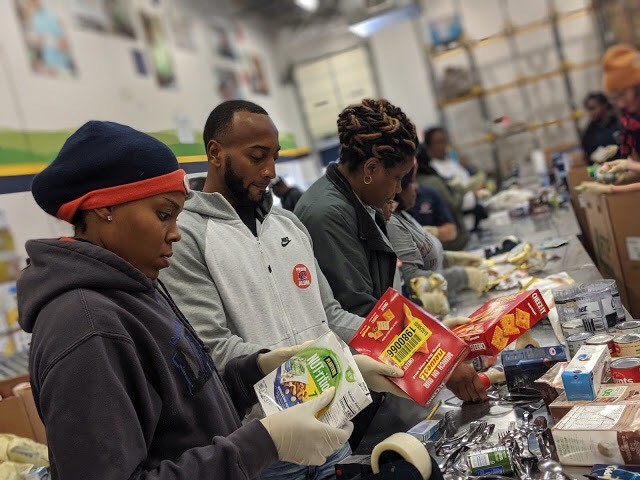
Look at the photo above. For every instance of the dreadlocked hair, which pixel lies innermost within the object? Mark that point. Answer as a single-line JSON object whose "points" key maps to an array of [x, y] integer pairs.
{"points": [[375, 129]]}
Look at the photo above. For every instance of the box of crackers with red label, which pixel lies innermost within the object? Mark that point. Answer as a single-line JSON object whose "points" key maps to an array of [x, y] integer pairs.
{"points": [[501, 321], [400, 333]]}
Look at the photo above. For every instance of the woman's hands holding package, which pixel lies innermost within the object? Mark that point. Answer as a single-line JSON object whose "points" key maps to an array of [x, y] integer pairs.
{"points": [[300, 437]]}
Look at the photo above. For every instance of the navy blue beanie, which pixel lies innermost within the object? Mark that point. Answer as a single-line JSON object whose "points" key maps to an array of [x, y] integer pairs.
{"points": [[104, 164]]}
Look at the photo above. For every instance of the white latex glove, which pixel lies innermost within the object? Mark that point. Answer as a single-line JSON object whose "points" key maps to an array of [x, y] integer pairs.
{"points": [[268, 362], [300, 437], [431, 230], [594, 187], [614, 166], [435, 302], [375, 375], [477, 280], [484, 194], [476, 181], [463, 259], [452, 322], [602, 154]]}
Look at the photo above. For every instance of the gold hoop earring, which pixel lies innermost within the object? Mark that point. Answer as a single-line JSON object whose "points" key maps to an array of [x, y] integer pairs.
{"points": [[365, 179]]}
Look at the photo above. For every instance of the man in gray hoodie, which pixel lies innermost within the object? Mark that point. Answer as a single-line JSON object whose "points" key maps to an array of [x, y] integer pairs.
{"points": [[244, 273]]}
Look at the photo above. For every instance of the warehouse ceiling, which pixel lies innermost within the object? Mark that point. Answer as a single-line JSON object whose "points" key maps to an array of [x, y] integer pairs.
{"points": [[273, 15]]}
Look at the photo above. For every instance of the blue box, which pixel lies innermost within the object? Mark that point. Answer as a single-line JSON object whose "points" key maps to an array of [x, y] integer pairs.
{"points": [[523, 367], [583, 376]]}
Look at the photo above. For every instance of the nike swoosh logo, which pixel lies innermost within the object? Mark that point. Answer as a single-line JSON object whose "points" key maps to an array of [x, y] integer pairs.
{"points": [[285, 241]]}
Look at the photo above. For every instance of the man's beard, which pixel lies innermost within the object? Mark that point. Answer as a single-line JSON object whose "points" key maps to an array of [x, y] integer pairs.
{"points": [[236, 188]]}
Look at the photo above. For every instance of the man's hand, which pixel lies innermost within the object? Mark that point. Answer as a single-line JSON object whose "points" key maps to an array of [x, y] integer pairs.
{"points": [[466, 385]]}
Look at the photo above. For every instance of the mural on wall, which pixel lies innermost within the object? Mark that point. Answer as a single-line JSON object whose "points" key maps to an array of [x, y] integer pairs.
{"points": [[257, 76], [106, 16], [158, 50], [222, 43], [47, 44], [228, 86]]}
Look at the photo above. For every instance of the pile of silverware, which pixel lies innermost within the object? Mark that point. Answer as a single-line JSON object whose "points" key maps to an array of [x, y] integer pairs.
{"points": [[453, 447]]}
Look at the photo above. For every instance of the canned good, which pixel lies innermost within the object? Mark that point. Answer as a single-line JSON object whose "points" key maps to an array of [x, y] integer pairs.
{"points": [[632, 326], [616, 303], [597, 305], [627, 345], [565, 300], [626, 370], [576, 340], [603, 339], [490, 461], [572, 326]]}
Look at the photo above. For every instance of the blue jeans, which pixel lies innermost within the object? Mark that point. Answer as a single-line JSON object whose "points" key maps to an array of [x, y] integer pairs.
{"points": [[291, 471]]}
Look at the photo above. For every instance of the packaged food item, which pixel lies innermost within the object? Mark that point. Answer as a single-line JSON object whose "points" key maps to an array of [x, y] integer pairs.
{"points": [[627, 345], [575, 341], [625, 370], [603, 339], [550, 384], [631, 326], [501, 321], [591, 434], [490, 461], [614, 472], [627, 394], [425, 349], [325, 363], [424, 430], [584, 374], [611, 302], [597, 306], [523, 367]]}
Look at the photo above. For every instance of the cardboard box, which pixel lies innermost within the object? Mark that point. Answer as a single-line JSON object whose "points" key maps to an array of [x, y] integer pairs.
{"points": [[627, 394], [18, 414], [523, 367], [615, 233], [592, 434], [583, 376], [550, 384], [501, 321], [575, 177], [400, 333]]}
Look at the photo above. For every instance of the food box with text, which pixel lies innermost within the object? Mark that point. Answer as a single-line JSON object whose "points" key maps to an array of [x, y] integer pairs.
{"points": [[627, 394], [501, 321], [601, 433], [400, 333]]}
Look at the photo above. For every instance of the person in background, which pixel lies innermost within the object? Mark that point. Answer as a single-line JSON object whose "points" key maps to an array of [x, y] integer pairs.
{"points": [[288, 196], [245, 272], [621, 80], [457, 176], [431, 212], [342, 212], [122, 383], [452, 198], [604, 126], [422, 255]]}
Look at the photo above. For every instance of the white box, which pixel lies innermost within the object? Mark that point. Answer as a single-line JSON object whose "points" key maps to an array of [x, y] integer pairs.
{"points": [[583, 376]]}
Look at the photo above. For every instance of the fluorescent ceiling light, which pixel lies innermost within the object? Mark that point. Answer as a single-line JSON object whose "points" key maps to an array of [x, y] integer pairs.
{"points": [[382, 20], [308, 5]]}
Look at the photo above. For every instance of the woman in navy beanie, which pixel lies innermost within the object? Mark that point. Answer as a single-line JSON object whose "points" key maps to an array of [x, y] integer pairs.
{"points": [[123, 384]]}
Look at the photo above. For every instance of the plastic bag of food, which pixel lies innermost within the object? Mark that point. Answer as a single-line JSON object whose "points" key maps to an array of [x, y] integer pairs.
{"points": [[325, 363]]}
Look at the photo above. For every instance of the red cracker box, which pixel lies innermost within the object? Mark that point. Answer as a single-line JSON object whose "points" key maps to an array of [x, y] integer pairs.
{"points": [[500, 321], [400, 333]]}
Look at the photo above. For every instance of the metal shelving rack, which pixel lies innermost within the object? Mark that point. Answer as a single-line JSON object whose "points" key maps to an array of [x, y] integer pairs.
{"points": [[509, 32]]}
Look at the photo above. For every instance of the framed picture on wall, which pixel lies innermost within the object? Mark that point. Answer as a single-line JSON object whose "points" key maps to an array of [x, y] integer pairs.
{"points": [[105, 16], [228, 85], [182, 28], [257, 74], [48, 48], [158, 50], [222, 43]]}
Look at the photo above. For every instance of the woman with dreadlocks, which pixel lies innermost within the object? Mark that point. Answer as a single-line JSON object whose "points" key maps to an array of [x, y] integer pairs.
{"points": [[342, 211]]}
